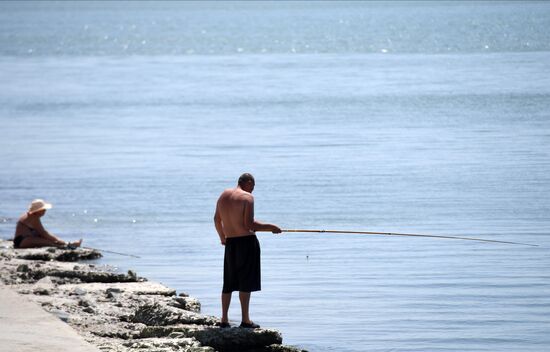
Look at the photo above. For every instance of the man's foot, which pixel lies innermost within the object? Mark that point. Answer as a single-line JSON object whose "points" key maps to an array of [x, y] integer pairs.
{"points": [[250, 325], [223, 325], [75, 244]]}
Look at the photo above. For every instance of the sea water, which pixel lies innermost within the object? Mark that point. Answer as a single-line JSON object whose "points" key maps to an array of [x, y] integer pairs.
{"points": [[430, 118]]}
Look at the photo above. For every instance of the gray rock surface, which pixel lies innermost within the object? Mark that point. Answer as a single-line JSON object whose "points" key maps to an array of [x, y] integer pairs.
{"points": [[224, 340], [122, 312], [162, 315], [51, 253]]}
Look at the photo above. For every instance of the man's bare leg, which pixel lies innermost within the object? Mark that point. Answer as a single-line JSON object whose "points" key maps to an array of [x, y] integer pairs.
{"points": [[34, 242], [226, 301], [244, 297]]}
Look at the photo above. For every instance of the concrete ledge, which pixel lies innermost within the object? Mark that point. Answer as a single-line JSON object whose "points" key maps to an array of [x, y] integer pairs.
{"points": [[26, 327]]}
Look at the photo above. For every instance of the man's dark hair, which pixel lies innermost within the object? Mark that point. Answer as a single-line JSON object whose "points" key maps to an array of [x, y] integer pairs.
{"points": [[245, 178]]}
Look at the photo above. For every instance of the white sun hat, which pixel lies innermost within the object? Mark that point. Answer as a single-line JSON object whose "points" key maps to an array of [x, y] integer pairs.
{"points": [[38, 204]]}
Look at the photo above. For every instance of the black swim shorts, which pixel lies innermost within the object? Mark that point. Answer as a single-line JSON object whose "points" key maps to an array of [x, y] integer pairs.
{"points": [[17, 241], [241, 267]]}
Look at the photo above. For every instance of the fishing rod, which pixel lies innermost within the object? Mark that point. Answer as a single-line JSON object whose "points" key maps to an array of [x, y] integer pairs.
{"points": [[113, 252], [407, 234]]}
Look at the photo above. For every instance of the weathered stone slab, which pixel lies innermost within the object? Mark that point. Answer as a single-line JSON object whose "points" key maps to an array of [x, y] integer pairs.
{"points": [[223, 340], [25, 271], [87, 276], [134, 288], [49, 253], [277, 348], [157, 314]]}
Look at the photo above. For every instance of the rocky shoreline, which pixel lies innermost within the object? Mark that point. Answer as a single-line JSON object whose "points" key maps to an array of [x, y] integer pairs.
{"points": [[122, 312]]}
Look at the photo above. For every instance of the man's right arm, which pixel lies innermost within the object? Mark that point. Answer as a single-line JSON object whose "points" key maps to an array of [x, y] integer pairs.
{"points": [[218, 224]]}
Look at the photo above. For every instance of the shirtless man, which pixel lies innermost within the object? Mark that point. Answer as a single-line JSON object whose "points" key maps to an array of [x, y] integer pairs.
{"points": [[234, 220]]}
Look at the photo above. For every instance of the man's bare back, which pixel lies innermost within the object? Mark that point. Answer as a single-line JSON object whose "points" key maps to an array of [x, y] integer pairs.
{"points": [[235, 208], [235, 213]]}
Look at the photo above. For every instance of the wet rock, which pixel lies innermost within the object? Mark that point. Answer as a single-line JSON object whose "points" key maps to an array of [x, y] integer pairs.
{"points": [[157, 314], [59, 254], [277, 348], [223, 340], [237, 339]]}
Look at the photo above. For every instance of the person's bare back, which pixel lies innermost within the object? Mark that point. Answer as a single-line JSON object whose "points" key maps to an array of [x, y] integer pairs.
{"points": [[235, 208], [235, 212]]}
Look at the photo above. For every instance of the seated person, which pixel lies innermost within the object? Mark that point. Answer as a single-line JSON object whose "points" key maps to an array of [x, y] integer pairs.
{"points": [[29, 232]]}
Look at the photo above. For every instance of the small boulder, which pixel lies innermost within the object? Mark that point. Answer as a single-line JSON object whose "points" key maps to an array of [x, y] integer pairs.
{"points": [[186, 303]]}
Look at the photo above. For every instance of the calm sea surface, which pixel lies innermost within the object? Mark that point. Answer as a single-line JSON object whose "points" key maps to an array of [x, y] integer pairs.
{"points": [[405, 117]]}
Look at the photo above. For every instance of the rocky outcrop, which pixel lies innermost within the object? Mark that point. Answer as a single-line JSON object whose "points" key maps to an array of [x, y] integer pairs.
{"points": [[158, 314], [122, 312], [224, 340], [51, 253]]}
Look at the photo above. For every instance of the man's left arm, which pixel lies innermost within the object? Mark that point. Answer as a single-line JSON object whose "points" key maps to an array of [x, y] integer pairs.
{"points": [[255, 225]]}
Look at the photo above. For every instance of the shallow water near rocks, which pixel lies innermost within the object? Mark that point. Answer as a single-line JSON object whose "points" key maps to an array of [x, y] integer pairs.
{"points": [[351, 116]]}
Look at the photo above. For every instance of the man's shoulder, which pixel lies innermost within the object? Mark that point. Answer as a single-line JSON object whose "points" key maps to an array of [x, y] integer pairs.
{"points": [[243, 195], [236, 194], [227, 192]]}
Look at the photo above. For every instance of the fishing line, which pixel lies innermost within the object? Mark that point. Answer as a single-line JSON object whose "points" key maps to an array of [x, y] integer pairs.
{"points": [[408, 234]]}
